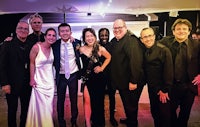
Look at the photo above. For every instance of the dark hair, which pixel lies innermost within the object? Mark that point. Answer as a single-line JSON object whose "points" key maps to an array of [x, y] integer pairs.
{"points": [[91, 30], [95, 46], [182, 21], [49, 29], [64, 24], [102, 29]]}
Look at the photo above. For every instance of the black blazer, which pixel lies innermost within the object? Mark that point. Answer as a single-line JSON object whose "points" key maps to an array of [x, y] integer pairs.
{"points": [[193, 58], [56, 51], [14, 65]]}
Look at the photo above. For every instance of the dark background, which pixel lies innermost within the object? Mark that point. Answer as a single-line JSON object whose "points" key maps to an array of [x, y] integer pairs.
{"points": [[9, 22]]}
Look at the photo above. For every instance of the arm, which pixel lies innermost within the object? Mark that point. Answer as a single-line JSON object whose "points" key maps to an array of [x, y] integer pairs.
{"points": [[167, 75], [196, 80], [135, 54], [3, 68], [107, 56], [167, 71], [33, 54]]}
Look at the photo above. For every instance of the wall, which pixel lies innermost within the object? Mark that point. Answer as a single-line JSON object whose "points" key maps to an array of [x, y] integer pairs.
{"points": [[134, 26]]}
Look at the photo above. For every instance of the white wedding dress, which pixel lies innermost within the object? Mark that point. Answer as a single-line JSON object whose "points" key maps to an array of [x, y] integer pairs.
{"points": [[40, 112]]}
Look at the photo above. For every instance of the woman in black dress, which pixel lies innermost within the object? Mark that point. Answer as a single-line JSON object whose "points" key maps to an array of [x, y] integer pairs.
{"points": [[92, 76]]}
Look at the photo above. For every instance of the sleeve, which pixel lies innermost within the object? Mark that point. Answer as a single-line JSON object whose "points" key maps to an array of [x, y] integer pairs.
{"points": [[3, 63], [167, 70], [134, 51]]}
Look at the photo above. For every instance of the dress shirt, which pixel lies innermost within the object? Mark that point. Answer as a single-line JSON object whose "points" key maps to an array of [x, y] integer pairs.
{"points": [[71, 57]]}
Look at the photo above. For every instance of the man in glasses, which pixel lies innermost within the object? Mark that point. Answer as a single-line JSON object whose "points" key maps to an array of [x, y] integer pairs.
{"points": [[158, 68], [126, 70], [14, 73], [36, 22]]}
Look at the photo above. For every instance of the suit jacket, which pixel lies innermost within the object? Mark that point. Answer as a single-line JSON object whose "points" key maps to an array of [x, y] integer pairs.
{"points": [[193, 58], [14, 65], [126, 62], [56, 51]]}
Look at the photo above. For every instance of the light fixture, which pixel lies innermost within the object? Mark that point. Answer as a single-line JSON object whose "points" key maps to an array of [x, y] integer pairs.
{"points": [[89, 14], [173, 13]]}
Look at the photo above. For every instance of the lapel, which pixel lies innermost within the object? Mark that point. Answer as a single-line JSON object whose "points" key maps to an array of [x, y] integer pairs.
{"points": [[56, 50], [76, 45]]}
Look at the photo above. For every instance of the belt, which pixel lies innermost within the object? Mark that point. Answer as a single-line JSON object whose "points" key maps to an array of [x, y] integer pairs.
{"points": [[70, 74]]}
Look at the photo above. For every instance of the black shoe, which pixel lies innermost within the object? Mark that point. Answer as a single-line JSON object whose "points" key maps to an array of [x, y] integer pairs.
{"points": [[123, 120], [114, 123], [74, 124]]}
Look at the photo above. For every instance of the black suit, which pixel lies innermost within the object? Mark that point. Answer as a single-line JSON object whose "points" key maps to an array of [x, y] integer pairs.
{"points": [[184, 91], [14, 70], [62, 83], [126, 66]]}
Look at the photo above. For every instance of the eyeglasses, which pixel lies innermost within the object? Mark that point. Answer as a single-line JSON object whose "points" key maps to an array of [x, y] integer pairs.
{"points": [[148, 36], [118, 28], [22, 28], [37, 23]]}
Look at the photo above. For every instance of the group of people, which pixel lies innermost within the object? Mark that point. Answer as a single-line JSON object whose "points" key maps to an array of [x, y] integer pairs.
{"points": [[170, 68]]}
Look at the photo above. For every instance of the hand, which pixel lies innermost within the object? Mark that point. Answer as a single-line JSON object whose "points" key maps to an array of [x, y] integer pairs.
{"points": [[97, 69], [196, 80], [8, 39], [132, 86], [72, 39], [33, 83], [163, 97], [6, 89]]}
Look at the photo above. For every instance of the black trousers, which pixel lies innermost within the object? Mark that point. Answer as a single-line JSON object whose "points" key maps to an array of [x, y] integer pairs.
{"points": [[130, 100], [12, 101], [111, 93], [160, 111], [181, 96], [72, 84]]}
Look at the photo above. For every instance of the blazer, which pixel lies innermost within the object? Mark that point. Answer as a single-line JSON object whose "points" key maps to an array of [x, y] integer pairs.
{"points": [[56, 51], [193, 58], [14, 65]]}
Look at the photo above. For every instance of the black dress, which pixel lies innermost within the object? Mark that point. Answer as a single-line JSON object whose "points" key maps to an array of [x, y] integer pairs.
{"points": [[96, 87]]}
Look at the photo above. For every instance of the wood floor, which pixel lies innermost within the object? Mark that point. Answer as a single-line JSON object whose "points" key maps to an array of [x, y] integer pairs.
{"points": [[144, 116]]}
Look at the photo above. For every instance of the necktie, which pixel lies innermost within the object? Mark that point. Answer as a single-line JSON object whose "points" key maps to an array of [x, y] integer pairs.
{"points": [[67, 71], [180, 62]]}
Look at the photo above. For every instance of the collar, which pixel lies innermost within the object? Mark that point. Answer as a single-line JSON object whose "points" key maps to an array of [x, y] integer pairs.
{"points": [[152, 47], [62, 42], [186, 41]]}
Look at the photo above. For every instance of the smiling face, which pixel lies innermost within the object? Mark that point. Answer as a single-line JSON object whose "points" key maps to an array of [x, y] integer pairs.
{"points": [[181, 32], [104, 36], [147, 37], [50, 36], [90, 39], [119, 28], [65, 33], [22, 30]]}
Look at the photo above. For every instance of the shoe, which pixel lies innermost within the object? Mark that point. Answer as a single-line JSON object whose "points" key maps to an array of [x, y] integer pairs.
{"points": [[74, 124], [123, 120], [114, 123]]}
